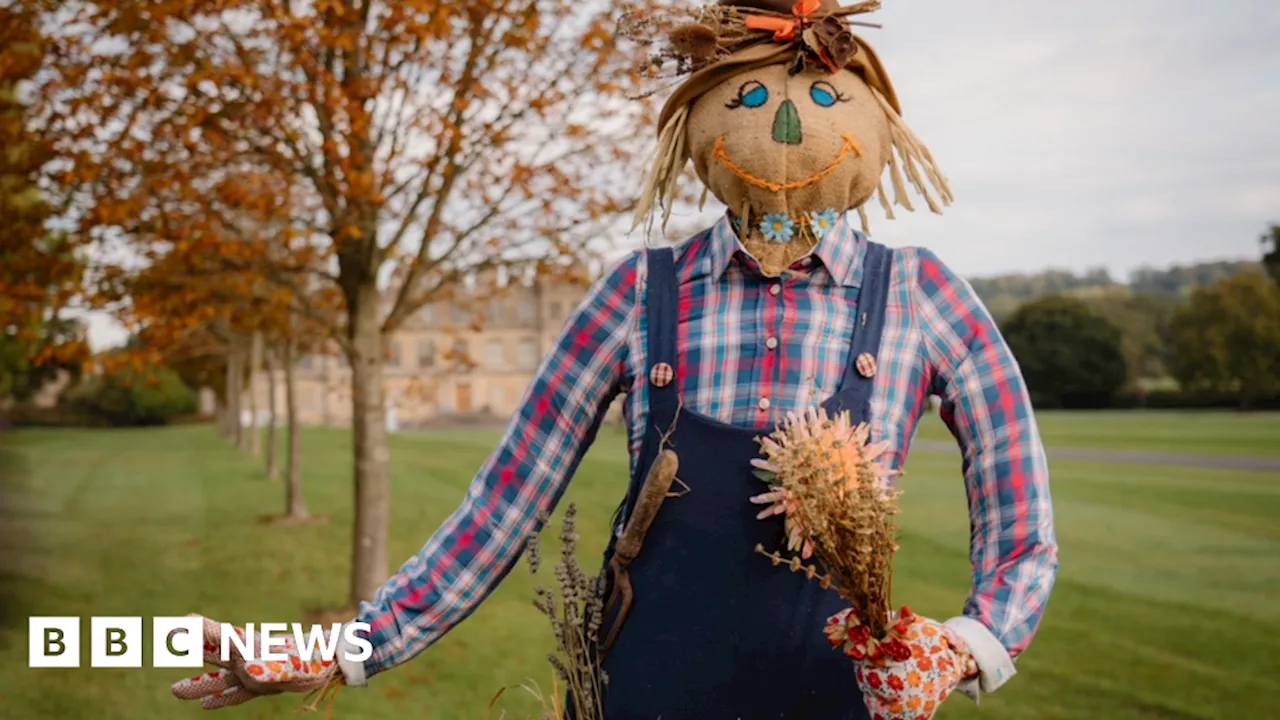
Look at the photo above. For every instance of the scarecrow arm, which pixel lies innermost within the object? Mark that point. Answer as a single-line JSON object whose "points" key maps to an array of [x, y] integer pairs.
{"points": [[522, 480], [986, 406]]}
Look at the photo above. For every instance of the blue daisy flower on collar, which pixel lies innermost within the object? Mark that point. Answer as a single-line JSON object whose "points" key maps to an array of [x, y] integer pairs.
{"points": [[777, 227], [822, 221]]}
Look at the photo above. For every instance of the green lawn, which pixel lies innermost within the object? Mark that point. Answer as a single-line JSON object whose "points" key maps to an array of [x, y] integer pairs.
{"points": [[1167, 604], [1199, 433]]}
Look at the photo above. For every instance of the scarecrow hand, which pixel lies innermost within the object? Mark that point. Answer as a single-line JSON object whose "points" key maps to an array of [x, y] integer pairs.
{"points": [[907, 676], [241, 680], [780, 502]]}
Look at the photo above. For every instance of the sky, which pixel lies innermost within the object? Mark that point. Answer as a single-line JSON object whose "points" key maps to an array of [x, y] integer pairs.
{"points": [[1080, 134], [1090, 132]]}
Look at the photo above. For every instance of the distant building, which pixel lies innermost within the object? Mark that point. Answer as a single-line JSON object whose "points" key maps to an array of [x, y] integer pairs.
{"points": [[468, 361]]}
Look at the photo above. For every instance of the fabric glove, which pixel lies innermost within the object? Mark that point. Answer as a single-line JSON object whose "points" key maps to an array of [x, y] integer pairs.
{"points": [[239, 680], [909, 674]]}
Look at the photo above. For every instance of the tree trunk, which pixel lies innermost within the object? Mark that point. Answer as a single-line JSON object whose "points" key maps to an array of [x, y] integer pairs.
{"points": [[271, 415], [235, 393], [255, 372], [224, 414], [1246, 401], [368, 419], [295, 506], [227, 409]]}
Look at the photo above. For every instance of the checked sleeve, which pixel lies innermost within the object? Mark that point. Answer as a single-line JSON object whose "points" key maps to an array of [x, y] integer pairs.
{"points": [[986, 406], [521, 480]]}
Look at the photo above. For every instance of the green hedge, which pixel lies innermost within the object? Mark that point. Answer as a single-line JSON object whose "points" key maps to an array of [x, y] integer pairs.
{"points": [[1179, 400], [125, 398], [61, 416]]}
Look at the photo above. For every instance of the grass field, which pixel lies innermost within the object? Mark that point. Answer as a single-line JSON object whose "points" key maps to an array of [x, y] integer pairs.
{"points": [[1167, 603], [1208, 433]]}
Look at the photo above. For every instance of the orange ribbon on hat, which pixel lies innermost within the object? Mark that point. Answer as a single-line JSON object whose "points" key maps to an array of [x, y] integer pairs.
{"points": [[784, 30]]}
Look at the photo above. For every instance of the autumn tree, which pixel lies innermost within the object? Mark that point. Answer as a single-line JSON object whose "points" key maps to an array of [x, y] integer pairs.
{"points": [[436, 138], [39, 270], [1227, 338]]}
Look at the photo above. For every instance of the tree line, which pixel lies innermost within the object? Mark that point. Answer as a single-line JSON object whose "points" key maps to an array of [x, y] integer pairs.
{"points": [[1194, 336]]}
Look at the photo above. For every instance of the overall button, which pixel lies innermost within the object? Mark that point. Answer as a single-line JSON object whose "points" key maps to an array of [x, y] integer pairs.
{"points": [[771, 343], [661, 374], [775, 289], [764, 403], [866, 365]]}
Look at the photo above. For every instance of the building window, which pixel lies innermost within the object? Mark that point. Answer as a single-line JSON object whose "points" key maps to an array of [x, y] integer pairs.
{"points": [[306, 362], [495, 311], [524, 312], [459, 315], [461, 352], [497, 396], [428, 314], [553, 311], [426, 353], [393, 354], [494, 354], [527, 354]]}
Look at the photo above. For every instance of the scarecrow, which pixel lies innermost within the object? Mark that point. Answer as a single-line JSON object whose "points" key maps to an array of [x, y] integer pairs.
{"points": [[781, 306]]}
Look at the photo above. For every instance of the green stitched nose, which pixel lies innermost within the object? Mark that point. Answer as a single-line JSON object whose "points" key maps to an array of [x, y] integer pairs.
{"points": [[786, 124]]}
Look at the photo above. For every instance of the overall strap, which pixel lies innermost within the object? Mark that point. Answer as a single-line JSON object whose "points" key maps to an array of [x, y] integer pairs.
{"points": [[873, 297], [662, 315], [661, 305]]}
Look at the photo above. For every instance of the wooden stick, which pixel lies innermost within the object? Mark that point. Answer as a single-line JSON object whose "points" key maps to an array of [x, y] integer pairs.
{"points": [[656, 486]]}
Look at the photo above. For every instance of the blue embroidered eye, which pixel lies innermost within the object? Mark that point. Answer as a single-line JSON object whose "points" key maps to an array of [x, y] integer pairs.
{"points": [[824, 94], [752, 94]]}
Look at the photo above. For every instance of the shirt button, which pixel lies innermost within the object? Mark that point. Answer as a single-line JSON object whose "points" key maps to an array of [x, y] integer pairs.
{"points": [[764, 403], [771, 343], [775, 289], [807, 261]]}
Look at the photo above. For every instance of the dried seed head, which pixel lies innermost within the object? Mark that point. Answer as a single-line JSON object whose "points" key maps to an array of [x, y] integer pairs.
{"points": [[533, 553], [558, 664]]}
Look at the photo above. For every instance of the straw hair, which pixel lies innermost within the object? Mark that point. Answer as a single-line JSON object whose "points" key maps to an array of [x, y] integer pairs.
{"points": [[666, 165]]}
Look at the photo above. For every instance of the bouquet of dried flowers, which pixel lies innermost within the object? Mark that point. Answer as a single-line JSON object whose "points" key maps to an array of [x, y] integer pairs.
{"points": [[575, 610], [833, 487]]}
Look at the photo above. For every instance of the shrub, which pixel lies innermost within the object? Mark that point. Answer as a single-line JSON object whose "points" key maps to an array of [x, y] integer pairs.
{"points": [[128, 397], [65, 415]]}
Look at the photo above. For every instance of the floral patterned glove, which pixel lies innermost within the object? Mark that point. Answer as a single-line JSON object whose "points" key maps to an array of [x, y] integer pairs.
{"points": [[909, 674], [240, 681]]}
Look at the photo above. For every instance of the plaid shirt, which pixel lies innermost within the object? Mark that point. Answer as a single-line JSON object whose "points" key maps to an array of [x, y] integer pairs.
{"points": [[745, 339]]}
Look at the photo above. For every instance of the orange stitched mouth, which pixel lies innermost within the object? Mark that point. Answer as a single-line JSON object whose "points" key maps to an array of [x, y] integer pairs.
{"points": [[850, 145]]}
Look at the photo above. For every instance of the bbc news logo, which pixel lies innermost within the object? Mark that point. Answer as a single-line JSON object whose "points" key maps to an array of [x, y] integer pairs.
{"points": [[178, 642]]}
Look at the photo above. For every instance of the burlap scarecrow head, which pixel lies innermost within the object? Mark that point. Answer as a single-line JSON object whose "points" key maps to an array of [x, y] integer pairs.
{"points": [[790, 120]]}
